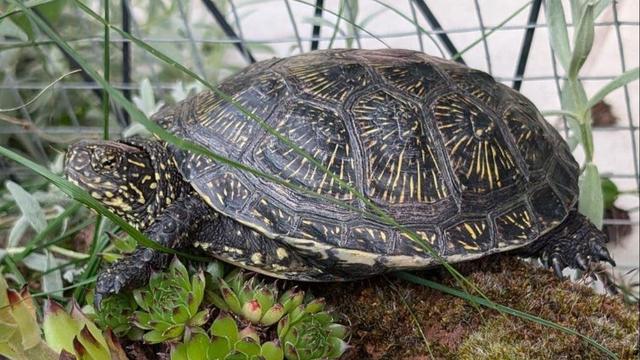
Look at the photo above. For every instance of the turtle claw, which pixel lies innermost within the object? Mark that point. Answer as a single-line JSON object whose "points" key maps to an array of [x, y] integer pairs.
{"points": [[602, 254], [582, 262], [558, 265]]}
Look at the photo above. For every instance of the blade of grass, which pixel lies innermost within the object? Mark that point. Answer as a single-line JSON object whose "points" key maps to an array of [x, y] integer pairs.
{"points": [[504, 309], [347, 21], [486, 35], [415, 23], [40, 93]]}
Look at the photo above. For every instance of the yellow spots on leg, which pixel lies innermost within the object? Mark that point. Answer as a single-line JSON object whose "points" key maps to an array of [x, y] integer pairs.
{"points": [[256, 258]]}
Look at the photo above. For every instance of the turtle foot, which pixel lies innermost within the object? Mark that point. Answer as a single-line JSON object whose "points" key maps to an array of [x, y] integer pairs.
{"points": [[128, 273]]}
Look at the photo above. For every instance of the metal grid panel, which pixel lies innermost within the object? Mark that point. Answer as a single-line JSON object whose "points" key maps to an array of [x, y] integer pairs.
{"points": [[431, 32]]}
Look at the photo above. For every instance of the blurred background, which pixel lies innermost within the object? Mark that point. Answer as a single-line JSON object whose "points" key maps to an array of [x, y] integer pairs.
{"points": [[215, 38]]}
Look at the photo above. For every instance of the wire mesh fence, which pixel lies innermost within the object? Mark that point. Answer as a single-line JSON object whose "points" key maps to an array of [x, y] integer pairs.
{"points": [[508, 39]]}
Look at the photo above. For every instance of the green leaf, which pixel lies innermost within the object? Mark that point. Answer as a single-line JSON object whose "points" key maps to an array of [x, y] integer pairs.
{"points": [[583, 41], [8, 29], [600, 6], [622, 80], [224, 326], [17, 231], [590, 202], [271, 351], [28, 205], [52, 280], [610, 192], [558, 34]]}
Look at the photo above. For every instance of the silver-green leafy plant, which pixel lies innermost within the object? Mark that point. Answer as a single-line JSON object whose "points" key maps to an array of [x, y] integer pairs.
{"points": [[254, 300], [170, 303], [309, 332], [227, 342], [576, 106]]}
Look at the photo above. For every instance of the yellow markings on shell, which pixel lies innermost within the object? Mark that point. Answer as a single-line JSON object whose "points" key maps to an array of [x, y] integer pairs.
{"points": [[233, 250], [281, 253], [153, 185], [256, 258], [471, 231]]}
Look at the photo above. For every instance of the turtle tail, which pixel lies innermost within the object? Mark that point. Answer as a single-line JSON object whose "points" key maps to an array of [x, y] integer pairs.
{"points": [[576, 243]]}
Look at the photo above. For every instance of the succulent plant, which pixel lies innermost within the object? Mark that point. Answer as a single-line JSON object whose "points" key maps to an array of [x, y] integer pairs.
{"points": [[74, 335], [169, 304], [227, 342], [254, 300], [115, 313], [19, 331], [308, 332]]}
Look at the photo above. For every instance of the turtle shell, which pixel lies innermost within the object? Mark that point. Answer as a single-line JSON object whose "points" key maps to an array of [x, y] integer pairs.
{"points": [[466, 163]]}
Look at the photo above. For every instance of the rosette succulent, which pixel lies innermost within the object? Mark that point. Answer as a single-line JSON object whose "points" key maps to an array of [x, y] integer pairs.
{"points": [[115, 313], [169, 304], [254, 300], [308, 332], [227, 342]]}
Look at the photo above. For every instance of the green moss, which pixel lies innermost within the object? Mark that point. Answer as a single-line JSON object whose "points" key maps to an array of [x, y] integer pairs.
{"points": [[383, 326]]}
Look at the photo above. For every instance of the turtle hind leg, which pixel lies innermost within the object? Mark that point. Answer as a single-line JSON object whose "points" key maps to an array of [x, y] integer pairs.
{"points": [[171, 229], [576, 243]]}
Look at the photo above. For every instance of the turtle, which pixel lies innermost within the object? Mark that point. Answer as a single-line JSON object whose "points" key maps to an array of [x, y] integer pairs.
{"points": [[315, 149]]}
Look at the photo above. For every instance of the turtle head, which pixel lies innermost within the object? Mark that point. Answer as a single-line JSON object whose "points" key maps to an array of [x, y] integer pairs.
{"points": [[133, 177]]}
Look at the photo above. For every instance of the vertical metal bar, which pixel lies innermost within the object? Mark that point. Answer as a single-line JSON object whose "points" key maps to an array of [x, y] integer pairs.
{"points": [[293, 23], [634, 146], [228, 30], [526, 43], [126, 56], [484, 37], [315, 32], [435, 26]]}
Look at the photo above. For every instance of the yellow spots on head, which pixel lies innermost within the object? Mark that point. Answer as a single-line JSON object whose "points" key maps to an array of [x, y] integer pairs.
{"points": [[136, 163], [118, 203], [96, 195], [281, 253], [108, 194], [145, 179]]}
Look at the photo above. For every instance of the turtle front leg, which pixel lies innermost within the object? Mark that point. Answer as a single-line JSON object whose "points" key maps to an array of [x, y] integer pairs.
{"points": [[171, 229], [577, 244]]}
